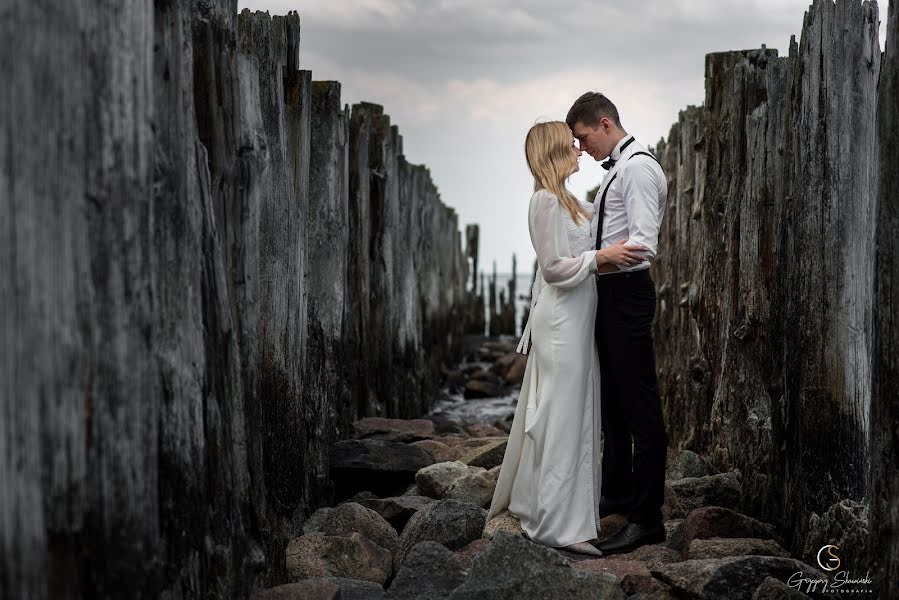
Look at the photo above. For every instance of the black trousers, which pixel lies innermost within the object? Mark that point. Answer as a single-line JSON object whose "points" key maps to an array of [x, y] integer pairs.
{"points": [[631, 408]]}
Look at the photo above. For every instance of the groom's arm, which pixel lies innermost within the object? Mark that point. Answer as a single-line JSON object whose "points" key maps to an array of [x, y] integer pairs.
{"points": [[643, 186]]}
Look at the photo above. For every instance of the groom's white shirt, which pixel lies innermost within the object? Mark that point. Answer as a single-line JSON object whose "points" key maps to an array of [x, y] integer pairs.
{"points": [[635, 202]]}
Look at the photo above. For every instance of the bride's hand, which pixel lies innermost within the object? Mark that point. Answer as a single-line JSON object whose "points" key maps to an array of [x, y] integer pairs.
{"points": [[620, 254]]}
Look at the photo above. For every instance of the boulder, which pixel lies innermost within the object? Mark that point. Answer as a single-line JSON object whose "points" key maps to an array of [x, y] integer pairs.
{"points": [[506, 522], [323, 588], [430, 571], [515, 374], [488, 456], [674, 534], [349, 517], [635, 578], [483, 430], [441, 451], [384, 468], [652, 556], [730, 578], [444, 425], [322, 555], [514, 568], [435, 480], [471, 550], [449, 522], [723, 489], [688, 464], [394, 430], [721, 547], [717, 522], [477, 442], [308, 589], [453, 440], [397, 510], [476, 486]]}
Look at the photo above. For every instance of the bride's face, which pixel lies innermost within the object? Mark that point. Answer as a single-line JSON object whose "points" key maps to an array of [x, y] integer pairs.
{"points": [[576, 151]]}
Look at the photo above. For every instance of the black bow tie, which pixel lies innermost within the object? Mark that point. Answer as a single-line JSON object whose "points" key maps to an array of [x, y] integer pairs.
{"points": [[607, 165]]}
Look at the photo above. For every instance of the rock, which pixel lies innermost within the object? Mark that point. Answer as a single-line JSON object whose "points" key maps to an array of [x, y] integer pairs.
{"points": [[483, 430], [478, 388], [443, 425], [515, 568], [322, 555], [487, 376], [487, 456], [714, 521], [635, 578], [340, 588], [476, 486], [503, 363], [316, 519], [449, 522], [471, 550], [721, 547], [845, 524], [430, 571], [363, 495], [412, 490], [506, 522], [477, 442], [436, 480], [374, 465], [499, 345], [671, 507], [454, 439], [731, 578], [441, 451], [494, 472], [505, 425], [674, 534], [351, 516], [394, 430], [515, 374], [775, 589], [652, 556], [397, 510], [712, 490], [688, 464], [308, 589]]}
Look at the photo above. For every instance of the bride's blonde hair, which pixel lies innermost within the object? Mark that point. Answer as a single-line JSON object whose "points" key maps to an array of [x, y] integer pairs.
{"points": [[548, 151]]}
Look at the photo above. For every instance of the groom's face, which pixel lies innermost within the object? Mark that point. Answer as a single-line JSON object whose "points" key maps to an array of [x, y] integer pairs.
{"points": [[595, 141]]}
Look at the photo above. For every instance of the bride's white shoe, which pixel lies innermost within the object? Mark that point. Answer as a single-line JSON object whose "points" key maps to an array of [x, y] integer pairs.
{"points": [[584, 548]]}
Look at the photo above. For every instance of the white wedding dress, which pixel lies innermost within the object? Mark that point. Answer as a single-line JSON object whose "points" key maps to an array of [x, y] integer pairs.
{"points": [[551, 472]]}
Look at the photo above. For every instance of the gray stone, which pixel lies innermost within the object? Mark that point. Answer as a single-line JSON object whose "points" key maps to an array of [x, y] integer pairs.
{"points": [[721, 547], [487, 456], [688, 464], [349, 517], [429, 571], [308, 589], [397, 510], [476, 486], [357, 589], [449, 522], [394, 430], [442, 452], [435, 480], [512, 568], [504, 521], [712, 490], [732, 578], [717, 522], [353, 556]]}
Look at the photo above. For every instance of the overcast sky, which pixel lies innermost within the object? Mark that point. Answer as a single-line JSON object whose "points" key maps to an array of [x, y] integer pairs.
{"points": [[465, 79]]}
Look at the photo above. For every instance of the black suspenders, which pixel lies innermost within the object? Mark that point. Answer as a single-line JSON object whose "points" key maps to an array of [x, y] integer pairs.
{"points": [[602, 202]]}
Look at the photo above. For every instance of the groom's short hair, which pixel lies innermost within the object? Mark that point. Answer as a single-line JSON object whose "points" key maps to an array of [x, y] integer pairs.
{"points": [[590, 108]]}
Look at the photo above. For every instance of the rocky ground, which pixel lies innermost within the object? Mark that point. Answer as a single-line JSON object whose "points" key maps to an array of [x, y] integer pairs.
{"points": [[412, 522]]}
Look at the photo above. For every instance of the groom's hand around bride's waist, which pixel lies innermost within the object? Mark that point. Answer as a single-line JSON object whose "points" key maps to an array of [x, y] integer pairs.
{"points": [[620, 255]]}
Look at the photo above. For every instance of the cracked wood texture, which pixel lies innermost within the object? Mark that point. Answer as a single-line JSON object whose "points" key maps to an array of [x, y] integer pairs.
{"points": [[767, 307], [211, 268]]}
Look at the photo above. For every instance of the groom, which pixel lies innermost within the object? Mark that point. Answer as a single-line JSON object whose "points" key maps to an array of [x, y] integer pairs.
{"points": [[629, 205]]}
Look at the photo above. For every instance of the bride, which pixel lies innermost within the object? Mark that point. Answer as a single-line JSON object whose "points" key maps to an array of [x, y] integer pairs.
{"points": [[551, 472]]}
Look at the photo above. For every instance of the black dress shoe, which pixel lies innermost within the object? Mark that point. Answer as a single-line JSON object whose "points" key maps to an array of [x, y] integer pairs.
{"points": [[631, 536], [610, 506]]}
